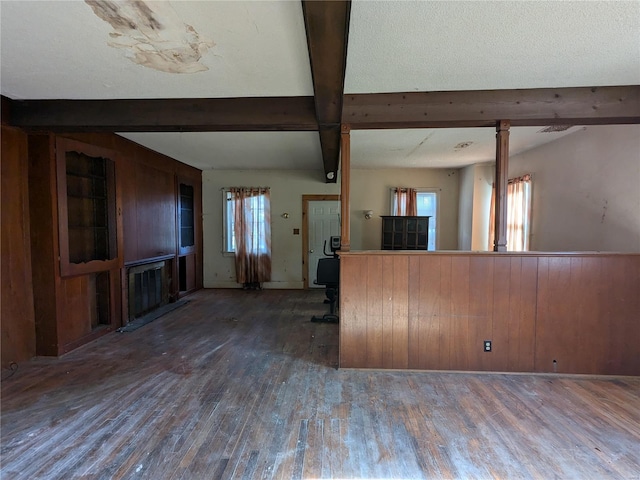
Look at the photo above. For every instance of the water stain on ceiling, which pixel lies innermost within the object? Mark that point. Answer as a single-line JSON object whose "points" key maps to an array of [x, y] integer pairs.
{"points": [[153, 35]]}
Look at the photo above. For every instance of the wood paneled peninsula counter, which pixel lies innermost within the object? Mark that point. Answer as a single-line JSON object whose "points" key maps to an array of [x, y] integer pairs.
{"points": [[570, 312]]}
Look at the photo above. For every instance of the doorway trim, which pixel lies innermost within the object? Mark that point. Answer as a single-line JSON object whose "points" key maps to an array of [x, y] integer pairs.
{"points": [[305, 231]]}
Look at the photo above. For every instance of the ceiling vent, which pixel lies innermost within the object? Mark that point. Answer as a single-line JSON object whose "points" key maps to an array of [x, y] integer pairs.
{"points": [[555, 128]]}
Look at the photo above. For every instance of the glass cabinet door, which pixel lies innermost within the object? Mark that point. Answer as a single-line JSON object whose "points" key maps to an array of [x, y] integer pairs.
{"points": [[87, 211], [187, 226], [405, 233]]}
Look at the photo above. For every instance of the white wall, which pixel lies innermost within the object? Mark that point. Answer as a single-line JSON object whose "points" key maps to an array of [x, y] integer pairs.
{"points": [[586, 196], [287, 188], [465, 208], [586, 190], [482, 189], [370, 190], [476, 183]]}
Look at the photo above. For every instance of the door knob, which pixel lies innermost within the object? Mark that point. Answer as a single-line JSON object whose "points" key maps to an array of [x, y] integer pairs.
{"points": [[310, 251]]}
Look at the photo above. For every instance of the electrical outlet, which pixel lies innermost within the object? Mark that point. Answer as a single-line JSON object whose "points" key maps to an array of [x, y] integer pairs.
{"points": [[487, 345]]}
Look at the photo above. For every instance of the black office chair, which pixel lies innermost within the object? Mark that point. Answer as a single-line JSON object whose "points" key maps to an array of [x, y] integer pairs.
{"points": [[328, 274]]}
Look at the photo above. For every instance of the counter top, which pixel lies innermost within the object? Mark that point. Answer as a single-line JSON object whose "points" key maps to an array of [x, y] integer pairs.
{"points": [[481, 253]]}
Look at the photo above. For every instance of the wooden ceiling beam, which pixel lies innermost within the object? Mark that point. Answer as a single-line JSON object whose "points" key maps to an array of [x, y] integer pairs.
{"points": [[5, 110], [483, 108], [166, 115], [327, 26]]}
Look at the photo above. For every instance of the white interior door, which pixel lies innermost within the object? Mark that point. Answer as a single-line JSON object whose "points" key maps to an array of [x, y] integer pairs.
{"points": [[324, 222]]}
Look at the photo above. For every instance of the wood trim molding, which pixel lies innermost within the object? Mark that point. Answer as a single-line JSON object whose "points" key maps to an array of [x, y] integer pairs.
{"points": [[305, 231]]}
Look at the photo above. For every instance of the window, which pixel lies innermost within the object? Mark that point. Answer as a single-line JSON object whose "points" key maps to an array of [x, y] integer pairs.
{"points": [[518, 214], [426, 205], [256, 204], [228, 220]]}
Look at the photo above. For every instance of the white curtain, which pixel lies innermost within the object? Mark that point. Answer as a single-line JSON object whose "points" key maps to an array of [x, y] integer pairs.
{"points": [[252, 225], [518, 214]]}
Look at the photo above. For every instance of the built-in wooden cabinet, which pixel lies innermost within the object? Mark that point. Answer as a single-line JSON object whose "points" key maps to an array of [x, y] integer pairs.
{"points": [[87, 216], [76, 237], [188, 216], [115, 232], [405, 233], [187, 273]]}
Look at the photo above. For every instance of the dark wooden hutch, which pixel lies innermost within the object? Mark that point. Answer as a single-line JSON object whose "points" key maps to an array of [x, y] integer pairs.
{"points": [[405, 232]]}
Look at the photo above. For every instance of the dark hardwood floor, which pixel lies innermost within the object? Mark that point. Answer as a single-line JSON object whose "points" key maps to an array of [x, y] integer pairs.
{"points": [[242, 385]]}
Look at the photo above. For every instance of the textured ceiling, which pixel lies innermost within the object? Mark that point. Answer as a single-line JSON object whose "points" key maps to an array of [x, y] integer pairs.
{"points": [[439, 147], [486, 45], [59, 49], [62, 49], [413, 148], [237, 150]]}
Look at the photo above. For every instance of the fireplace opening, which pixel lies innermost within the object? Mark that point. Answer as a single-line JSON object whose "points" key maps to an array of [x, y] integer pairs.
{"points": [[148, 288]]}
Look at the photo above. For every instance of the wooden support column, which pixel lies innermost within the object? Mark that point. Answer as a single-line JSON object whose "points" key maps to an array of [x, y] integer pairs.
{"points": [[345, 188], [502, 179]]}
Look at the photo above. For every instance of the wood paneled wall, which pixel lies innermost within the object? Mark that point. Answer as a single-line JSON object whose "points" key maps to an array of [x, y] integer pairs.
{"points": [[17, 325], [152, 209], [149, 204], [44, 244], [589, 314], [149, 199], [569, 313], [148, 184], [62, 305]]}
